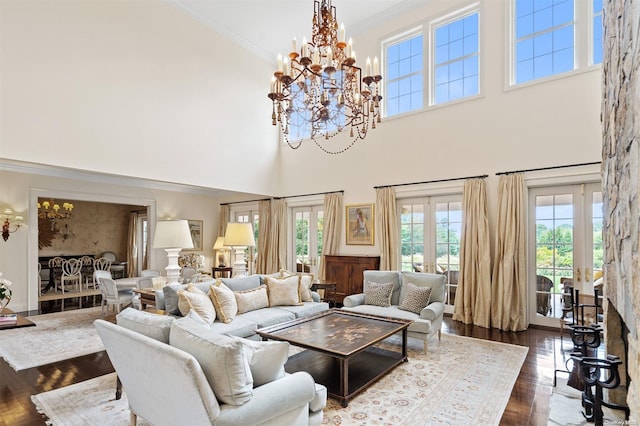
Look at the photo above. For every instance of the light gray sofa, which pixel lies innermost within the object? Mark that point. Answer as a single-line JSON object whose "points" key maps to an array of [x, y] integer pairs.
{"points": [[243, 325], [425, 324], [178, 371]]}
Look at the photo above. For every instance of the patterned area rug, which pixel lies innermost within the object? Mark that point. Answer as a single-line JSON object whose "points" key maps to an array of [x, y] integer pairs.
{"points": [[56, 337], [460, 381], [565, 408]]}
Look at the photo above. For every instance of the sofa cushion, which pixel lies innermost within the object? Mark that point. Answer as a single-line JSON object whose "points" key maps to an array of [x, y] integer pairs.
{"points": [[435, 281], [240, 326], [306, 309], [268, 316], [414, 298], [283, 291], [151, 325], [224, 301], [192, 298], [242, 283], [266, 359], [250, 300], [378, 294], [221, 357]]}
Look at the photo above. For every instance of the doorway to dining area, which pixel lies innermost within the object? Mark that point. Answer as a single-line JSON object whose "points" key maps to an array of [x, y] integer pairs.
{"points": [[76, 233]]}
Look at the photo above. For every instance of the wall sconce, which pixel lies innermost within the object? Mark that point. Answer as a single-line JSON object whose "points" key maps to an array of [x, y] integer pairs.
{"points": [[10, 220], [67, 233]]}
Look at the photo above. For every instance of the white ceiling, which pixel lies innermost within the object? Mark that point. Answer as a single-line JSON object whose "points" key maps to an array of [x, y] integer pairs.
{"points": [[268, 26]]}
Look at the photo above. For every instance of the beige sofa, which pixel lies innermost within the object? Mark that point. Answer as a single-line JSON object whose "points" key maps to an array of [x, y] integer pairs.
{"points": [[177, 371], [427, 321]]}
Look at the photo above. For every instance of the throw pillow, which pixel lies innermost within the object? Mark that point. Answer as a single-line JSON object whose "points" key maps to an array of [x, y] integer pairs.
{"points": [[195, 299], [306, 280], [283, 291], [183, 305], [224, 301], [222, 358], [251, 300], [266, 359], [378, 294], [415, 298], [171, 298]]}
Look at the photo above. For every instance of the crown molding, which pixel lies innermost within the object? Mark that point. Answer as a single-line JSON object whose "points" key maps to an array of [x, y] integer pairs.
{"points": [[105, 178]]}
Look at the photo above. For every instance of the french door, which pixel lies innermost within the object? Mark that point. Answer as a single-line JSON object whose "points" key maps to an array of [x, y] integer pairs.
{"points": [[307, 238], [565, 246], [430, 231]]}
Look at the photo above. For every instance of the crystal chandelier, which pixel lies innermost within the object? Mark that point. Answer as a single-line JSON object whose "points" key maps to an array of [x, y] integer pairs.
{"points": [[320, 90], [50, 210]]}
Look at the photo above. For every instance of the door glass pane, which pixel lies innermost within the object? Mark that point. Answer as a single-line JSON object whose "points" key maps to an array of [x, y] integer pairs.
{"points": [[302, 239], [320, 221], [598, 250], [448, 232], [554, 251], [412, 236]]}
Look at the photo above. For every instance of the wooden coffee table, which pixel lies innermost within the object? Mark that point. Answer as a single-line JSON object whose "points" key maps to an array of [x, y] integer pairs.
{"points": [[340, 349]]}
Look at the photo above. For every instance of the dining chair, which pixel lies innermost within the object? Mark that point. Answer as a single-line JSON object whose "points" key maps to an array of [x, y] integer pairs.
{"points": [[111, 296], [55, 265], [187, 272], [87, 271], [150, 273], [71, 272], [116, 269]]}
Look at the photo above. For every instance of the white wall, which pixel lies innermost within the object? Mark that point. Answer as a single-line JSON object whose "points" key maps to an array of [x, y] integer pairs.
{"points": [[19, 254], [134, 88], [547, 124]]}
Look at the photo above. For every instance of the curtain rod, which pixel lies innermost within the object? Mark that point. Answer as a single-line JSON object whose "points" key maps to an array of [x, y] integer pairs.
{"points": [[247, 201], [549, 168], [432, 181], [308, 195]]}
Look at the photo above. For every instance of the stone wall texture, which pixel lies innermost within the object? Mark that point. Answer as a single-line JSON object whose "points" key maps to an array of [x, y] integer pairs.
{"points": [[621, 184]]}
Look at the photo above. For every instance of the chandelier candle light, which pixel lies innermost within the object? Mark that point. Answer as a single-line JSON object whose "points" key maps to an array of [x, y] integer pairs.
{"points": [[51, 210], [320, 90]]}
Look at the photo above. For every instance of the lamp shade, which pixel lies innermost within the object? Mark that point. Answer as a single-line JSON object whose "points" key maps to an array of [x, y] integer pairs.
{"points": [[172, 234], [219, 245], [239, 235]]}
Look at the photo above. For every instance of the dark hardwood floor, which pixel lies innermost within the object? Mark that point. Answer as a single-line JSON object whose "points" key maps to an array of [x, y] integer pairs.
{"points": [[528, 405]]}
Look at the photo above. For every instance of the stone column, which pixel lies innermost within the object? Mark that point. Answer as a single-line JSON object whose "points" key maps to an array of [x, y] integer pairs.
{"points": [[621, 184]]}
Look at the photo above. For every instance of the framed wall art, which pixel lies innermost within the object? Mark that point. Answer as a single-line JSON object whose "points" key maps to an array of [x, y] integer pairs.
{"points": [[360, 224], [195, 228]]}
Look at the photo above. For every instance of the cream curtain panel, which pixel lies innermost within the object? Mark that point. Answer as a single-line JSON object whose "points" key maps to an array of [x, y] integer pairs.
{"points": [[331, 228], [508, 310], [132, 247], [264, 235], [387, 224], [473, 297], [223, 218], [276, 256]]}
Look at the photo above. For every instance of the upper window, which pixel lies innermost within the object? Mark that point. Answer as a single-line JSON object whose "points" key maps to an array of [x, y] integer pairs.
{"points": [[596, 32], [404, 75], [544, 38], [455, 59]]}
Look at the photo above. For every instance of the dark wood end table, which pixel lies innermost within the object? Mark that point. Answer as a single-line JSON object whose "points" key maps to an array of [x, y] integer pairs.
{"points": [[18, 323], [147, 296], [224, 272], [328, 291], [340, 349]]}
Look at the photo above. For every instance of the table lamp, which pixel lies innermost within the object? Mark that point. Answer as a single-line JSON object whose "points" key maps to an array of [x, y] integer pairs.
{"points": [[172, 236], [239, 236], [221, 249]]}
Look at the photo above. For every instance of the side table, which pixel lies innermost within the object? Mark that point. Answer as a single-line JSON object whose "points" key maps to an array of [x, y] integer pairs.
{"points": [[328, 291], [225, 272]]}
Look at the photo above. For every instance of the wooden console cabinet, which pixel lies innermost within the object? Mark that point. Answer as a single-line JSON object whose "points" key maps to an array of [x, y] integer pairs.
{"points": [[346, 272]]}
